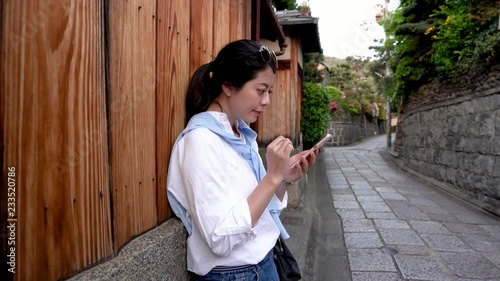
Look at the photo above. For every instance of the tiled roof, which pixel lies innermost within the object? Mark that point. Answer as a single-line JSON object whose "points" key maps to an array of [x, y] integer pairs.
{"points": [[304, 27]]}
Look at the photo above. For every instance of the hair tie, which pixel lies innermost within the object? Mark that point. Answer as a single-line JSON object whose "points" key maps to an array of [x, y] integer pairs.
{"points": [[210, 69]]}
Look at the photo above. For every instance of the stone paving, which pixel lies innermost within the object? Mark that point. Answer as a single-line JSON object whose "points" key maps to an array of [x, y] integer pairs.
{"points": [[397, 226]]}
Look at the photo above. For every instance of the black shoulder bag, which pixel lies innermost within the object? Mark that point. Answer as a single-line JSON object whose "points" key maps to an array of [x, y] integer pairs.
{"points": [[287, 266]]}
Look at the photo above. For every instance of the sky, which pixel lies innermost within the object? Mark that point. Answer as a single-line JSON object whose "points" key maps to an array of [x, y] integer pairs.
{"points": [[347, 27]]}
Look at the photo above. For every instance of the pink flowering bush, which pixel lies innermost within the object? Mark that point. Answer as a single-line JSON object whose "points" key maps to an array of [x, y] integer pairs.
{"points": [[333, 106]]}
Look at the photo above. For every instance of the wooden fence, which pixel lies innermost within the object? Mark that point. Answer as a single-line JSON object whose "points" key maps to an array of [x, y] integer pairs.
{"points": [[92, 99]]}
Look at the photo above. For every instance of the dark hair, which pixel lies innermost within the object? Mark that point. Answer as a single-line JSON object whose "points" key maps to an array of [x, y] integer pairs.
{"points": [[236, 64]]}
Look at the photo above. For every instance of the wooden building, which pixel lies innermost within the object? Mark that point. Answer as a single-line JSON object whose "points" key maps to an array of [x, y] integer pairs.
{"points": [[92, 99], [282, 116]]}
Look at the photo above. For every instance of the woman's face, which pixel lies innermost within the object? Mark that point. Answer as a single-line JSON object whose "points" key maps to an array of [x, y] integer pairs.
{"points": [[249, 102]]}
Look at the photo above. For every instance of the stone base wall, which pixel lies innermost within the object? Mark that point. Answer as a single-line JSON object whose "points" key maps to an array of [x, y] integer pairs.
{"points": [[457, 141], [159, 254], [347, 129]]}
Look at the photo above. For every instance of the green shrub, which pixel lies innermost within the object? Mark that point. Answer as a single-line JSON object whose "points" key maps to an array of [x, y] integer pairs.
{"points": [[315, 113], [432, 40], [459, 40], [350, 105], [333, 93]]}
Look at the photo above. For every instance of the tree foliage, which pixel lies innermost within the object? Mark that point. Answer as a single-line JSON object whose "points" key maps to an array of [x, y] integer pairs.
{"points": [[353, 77], [468, 34], [428, 40], [284, 4], [312, 72]]}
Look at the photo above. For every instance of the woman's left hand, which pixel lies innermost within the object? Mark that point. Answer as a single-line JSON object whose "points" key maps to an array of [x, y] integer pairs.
{"points": [[302, 165]]}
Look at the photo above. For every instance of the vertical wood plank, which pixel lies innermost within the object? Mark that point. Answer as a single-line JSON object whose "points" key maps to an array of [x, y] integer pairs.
{"points": [[201, 33], [279, 105], [173, 31], [132, 68], [247, 28], [54, 123], [295, 92], [274, 122], [239, 20], [221, 24], [5, 248], [282, 117]]}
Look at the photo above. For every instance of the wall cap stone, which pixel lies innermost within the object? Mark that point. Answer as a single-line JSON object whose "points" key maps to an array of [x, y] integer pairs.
{"points": [[489, 92]]}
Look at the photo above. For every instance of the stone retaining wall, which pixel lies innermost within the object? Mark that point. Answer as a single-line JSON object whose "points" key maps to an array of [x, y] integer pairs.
{"points": [[347, 129], [457, 140]]}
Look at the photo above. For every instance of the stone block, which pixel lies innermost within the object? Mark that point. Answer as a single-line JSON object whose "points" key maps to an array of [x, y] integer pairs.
{"points": [[451, 175], [453, 125], [496, 169], [488, 103], [377, 215], [482, 243], [442, 172], [392, 196], [472, 163], [471, 265], [448, 143], [460, 160], [400, 237], [370, 260], [471, 126], [448, 158], [471, 144], [358, 225], [346, 214], [487, 164], [486, 124], [463, 125], [494, 145], [375, 207], [467, 108], [363, 240], [497, 123], [429, 227], [421, 268], [391, 224], [459, 144], [372, 276]]}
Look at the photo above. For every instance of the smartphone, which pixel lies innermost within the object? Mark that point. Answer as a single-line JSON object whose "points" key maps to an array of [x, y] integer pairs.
{"points": [[316, 146]]}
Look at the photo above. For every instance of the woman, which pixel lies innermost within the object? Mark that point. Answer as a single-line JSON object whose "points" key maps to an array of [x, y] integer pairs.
{"points": [[216, 181]]}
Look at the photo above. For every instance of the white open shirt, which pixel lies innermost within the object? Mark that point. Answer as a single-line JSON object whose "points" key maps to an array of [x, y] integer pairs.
{"points": [[212, 181]]}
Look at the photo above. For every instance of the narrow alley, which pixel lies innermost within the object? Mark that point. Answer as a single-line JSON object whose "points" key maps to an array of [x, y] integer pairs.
{"points": [[394, 225]]}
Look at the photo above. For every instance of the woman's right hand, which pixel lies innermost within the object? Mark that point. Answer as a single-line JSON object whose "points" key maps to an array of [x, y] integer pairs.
{"points": [[278, 157]]}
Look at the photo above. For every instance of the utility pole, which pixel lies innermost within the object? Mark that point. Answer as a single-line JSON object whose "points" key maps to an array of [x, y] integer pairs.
{"points": [[388, 121], [388, 125]]}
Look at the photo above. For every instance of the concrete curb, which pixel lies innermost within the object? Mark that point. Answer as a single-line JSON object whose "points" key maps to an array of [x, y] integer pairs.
{"points": [[443, 186], [316, 230]]}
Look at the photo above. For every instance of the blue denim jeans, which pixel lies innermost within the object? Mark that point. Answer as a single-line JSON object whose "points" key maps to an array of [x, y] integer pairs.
{"points": [[263, 271]]}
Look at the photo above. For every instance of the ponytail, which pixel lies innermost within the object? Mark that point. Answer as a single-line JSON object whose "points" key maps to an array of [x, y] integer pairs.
{"points": [[198, 96]]}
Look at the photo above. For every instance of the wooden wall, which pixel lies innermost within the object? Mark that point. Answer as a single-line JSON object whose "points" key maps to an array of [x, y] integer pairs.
{"points": [[92, 99], [54, 122], [282, 116]]}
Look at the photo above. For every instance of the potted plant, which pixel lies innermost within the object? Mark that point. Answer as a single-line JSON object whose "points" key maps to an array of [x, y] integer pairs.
{"points": [[304, 9]]}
